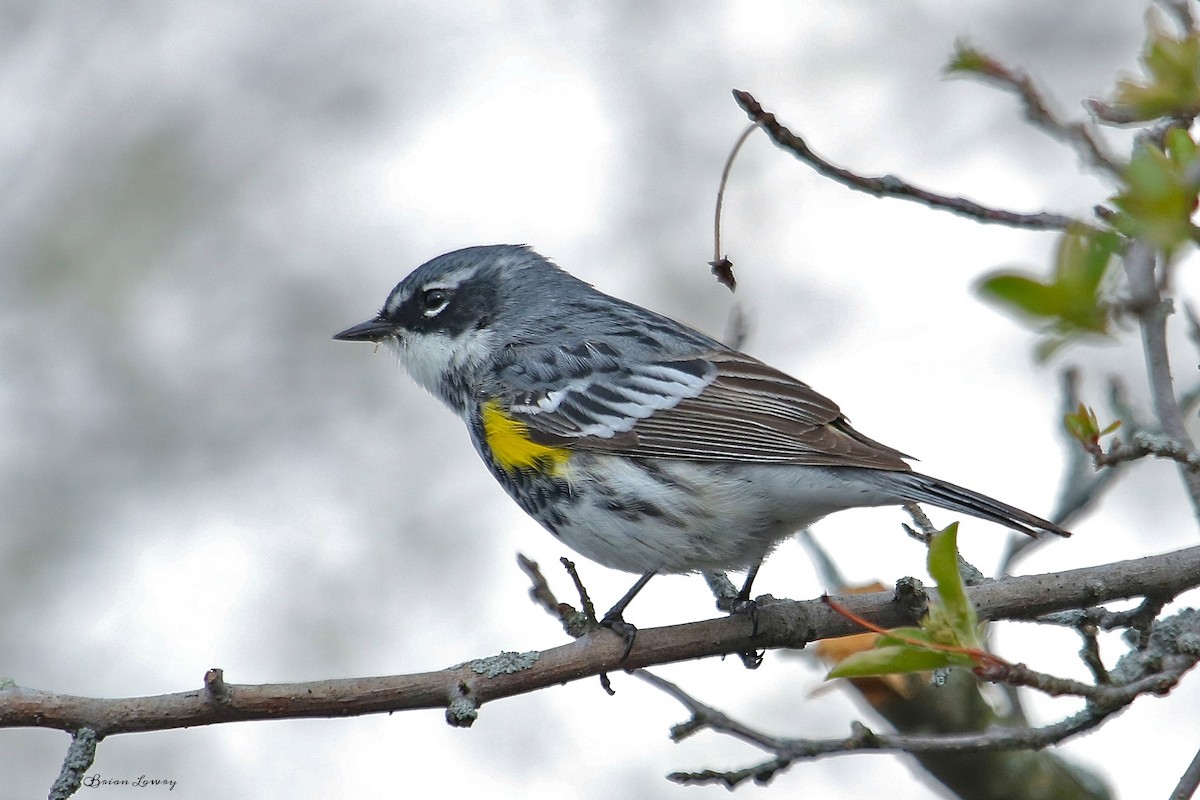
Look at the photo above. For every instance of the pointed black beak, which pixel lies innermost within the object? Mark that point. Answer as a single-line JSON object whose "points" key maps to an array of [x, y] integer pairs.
{"points": [[373, 330]]}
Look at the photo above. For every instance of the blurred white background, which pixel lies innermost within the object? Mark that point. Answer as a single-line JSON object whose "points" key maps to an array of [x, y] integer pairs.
{"points": [[195, 196]]}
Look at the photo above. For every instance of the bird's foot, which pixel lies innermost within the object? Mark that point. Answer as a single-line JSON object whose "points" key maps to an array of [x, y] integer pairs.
{"points": [[749, 607], [617, 624]]}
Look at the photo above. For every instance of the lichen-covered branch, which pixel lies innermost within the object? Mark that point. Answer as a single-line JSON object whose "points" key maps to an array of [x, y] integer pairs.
{"points": [[1171, 652], [464, 688]]}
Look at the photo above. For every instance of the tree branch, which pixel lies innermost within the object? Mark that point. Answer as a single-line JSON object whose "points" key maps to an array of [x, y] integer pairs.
{"points": [[785, 750], [80, 756], [1143, 444], [1189, 780], [463, 688], [891, 186], [1081, 485], [1152, 311], [1081, 136]]}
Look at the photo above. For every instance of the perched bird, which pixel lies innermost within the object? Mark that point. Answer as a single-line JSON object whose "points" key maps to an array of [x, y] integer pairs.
{"points": [[639, 442]]}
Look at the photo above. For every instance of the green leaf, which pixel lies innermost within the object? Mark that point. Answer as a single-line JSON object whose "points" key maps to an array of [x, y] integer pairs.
{"points": [[1083, 425], [952, 620], [1171, 87], [1024, 293], [966, 59], [1072, 302], [896, 659], [1079, 268], [1180, 147], [1157, 201], [901, 636]]}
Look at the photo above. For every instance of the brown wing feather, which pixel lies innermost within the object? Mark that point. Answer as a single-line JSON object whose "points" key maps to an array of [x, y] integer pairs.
{"points": [[750, 412]]}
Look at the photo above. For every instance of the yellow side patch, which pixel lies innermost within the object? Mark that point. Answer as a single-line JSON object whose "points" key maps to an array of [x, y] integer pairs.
{"points": [[509, 441]]}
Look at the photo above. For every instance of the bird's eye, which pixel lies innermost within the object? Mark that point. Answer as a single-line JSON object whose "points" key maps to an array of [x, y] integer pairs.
{"points": [[434, 300]]}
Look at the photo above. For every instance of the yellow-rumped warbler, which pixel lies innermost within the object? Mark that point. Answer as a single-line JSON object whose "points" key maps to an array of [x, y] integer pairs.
{"points": [[637, 441]]}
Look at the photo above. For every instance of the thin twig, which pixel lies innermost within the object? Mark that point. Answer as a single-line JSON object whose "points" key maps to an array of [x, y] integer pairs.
{"points": [[539, 590], [589, 610], [1144, 444], [1081, 136], [737, 329], [785, 751], [721, 587], [1112, 113], [831, 577], [722, 267], [891, 186], [1188, 781], [1089, 653], [1152, 312], [925, 528], [925, 531], [1189, 400], [1021, 675], [1137, 620], [1082, 486]]}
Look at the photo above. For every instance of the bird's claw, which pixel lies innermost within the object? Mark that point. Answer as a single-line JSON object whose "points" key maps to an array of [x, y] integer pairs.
{"points": [[628, 631]]}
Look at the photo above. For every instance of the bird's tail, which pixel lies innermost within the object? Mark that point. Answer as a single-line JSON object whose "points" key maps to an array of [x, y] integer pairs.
{"points": [[923, 489]]}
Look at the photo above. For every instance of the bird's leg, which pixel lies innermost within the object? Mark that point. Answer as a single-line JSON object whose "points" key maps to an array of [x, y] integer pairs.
{"points": [[616, 623], [743, 604], [744, 595]]}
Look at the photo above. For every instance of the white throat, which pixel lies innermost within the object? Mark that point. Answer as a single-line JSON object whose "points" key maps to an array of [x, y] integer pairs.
{"points": [[430, 358]]}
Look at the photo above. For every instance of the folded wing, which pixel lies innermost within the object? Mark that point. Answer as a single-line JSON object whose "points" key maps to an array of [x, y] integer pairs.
{"points": [[722, 406]]}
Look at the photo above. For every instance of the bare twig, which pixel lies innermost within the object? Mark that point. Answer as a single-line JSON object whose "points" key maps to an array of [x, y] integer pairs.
{"points": [[924, 532], [1188, 781], [539, 590], [1136, 620], [589, 610], [1112, 113], [1089, 653], [1143, 444], [575, 623], [1103, 702], [1082, 486], [722, 267], [891, 186], [721, 587], [1081, 136], [1152, 312], [925, 528], [1021, 675], [1139, 618], [1189, 400], [831, 577], [737, 329]]}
